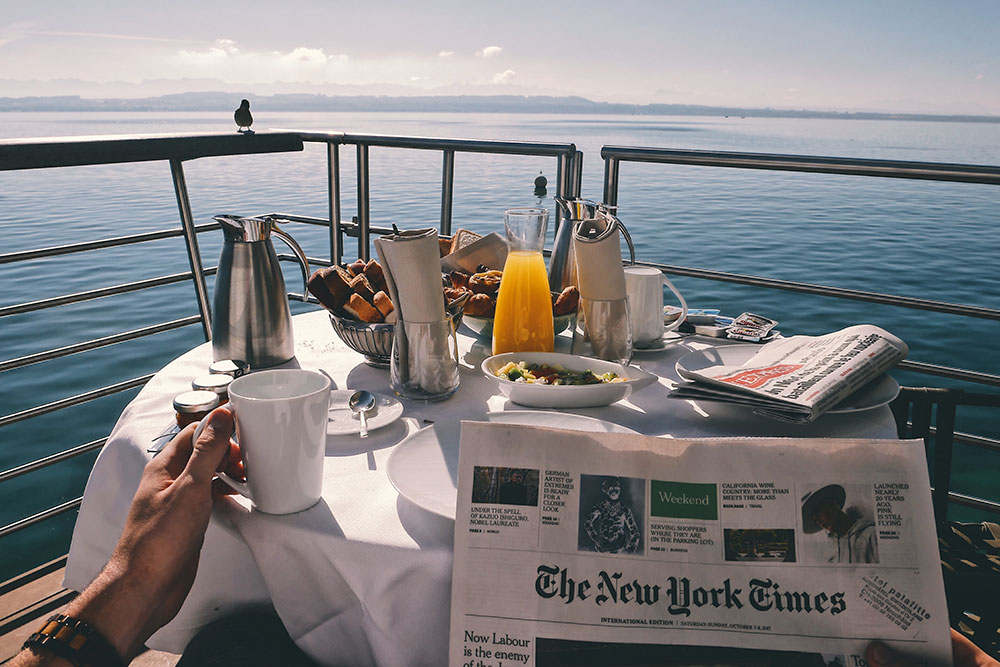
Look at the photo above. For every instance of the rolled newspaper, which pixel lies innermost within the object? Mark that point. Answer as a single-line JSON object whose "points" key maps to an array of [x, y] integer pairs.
{"points": [[411, 262]]}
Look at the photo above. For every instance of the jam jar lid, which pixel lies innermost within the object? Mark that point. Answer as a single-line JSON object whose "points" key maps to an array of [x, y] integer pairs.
{"points": [[190, 402], [232, 367], [217, 383]]}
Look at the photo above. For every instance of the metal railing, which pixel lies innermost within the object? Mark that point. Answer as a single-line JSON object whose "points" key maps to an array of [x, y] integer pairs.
{"points": [[959, 173], [569, 167], [175, 149]]}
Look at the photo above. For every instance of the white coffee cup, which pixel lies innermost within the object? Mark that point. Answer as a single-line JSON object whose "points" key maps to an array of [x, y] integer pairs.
{"points": [[644, 286], [281, 417]]}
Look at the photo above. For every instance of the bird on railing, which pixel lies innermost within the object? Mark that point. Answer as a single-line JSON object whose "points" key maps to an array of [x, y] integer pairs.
{"points": [[243, 117]]}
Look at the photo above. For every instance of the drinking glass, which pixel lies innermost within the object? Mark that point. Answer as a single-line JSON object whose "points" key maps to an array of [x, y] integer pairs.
{"points": [[424, 363], [604, 330]]}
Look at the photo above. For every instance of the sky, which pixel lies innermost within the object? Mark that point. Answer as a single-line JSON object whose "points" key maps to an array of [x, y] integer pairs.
{"points": [[877, 55]]}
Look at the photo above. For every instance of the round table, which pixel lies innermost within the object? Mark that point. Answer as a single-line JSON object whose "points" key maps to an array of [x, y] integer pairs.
{"points": [[364, 577]]}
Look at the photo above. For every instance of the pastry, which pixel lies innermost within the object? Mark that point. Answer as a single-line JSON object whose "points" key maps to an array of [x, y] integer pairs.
{"points": [[487, 282]]}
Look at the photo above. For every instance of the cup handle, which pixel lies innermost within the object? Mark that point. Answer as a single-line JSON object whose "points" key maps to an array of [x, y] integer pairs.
{"points": [[684, 307], [239, 487]]}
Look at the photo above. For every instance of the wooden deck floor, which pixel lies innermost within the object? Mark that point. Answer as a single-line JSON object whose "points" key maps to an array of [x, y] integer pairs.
{"points": [[27, 599]]}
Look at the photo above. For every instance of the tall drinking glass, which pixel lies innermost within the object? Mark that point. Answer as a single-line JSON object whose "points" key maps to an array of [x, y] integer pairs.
{"points": [[523, 321]]}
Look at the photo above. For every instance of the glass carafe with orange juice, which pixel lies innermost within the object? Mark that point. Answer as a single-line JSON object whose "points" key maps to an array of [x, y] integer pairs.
{"points": [[523, 321]]}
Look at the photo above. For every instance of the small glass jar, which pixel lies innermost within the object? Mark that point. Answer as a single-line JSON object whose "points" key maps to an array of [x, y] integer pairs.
{"points": [[217, 384], [193, 406], [231, 367]]}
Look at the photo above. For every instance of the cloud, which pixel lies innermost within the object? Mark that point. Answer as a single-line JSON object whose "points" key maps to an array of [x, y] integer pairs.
{"points": [[303, 54], [489, 51], [224, 59], [505, 76], [979, 77], [446, 54]]}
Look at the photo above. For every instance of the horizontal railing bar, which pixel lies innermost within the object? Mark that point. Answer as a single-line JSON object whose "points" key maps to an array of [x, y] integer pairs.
{"points": [[75, 400], [45, 462], [434, 143], [78, 297], [965, 173], [838, 292], [41, 516], [76, 151], [973, 501], [982, 442], [951, 373], [96, 343], [69, 248], [348, 227]]}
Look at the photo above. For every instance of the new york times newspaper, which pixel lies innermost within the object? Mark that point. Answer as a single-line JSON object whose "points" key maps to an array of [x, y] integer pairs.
{"points": [[612, 549], [799, 378]]}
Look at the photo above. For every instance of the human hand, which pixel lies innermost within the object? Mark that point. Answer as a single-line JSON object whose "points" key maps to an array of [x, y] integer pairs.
{"points": [[154, 564], [964, 654]]}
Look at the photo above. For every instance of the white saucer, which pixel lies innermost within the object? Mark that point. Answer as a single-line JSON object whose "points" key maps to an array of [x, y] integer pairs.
{"points": [[344, 422], [665, 343], [424, 466]]}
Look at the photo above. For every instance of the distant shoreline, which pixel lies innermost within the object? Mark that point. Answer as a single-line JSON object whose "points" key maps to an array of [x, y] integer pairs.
{"points": [[214, 102]]}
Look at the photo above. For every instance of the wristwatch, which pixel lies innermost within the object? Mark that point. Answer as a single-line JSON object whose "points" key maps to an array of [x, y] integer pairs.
{"points": [[73, 640]]}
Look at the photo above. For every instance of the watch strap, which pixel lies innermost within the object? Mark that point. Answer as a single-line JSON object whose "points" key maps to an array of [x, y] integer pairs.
{"points": [[75, 641]]}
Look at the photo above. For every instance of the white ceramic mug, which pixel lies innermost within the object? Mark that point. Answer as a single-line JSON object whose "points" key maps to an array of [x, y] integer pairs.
{"points": [[281, 418], [644, 286]]}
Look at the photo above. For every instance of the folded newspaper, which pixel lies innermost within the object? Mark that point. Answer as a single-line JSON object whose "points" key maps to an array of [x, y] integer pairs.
{"points": [[799, 378], [579, 548]]}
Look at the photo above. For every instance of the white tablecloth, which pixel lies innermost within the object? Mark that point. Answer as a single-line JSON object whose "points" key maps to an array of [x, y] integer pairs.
{"points": [[364, 577]]}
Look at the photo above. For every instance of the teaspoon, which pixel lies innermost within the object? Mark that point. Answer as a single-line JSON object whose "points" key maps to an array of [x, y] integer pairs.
{"points": [[360, 403]]}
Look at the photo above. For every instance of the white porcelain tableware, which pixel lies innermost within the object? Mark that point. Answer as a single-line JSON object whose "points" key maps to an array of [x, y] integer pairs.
{"points": [[875, 394], [424, 466], [644, 286], [281, 422], [344, 422], [566, 396]]}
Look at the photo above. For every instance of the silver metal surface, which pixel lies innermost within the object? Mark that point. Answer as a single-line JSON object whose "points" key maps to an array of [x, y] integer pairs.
{"points": [[41, 516], [364, 209], [46, 461], [191, 242], [333, 194], [360, 403], [447, 190], [96, 343], [252, 320]]}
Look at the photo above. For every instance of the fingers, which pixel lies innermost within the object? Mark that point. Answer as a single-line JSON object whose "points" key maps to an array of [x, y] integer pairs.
{"points": [[880, 655], [175, 454], [212, 445]]}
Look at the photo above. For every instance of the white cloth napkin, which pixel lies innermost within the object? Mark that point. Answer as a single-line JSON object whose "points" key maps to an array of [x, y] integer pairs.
{"points": [[599, 267], [411, 262]]}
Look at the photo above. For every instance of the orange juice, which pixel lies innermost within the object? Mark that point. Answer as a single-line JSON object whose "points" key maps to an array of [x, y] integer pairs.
{"points": [[523, 321]]}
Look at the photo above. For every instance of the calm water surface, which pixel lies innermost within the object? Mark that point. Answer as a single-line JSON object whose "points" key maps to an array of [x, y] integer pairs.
{"points": [[921, 239]]}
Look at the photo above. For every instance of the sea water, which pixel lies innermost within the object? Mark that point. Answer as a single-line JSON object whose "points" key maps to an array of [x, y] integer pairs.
{"points": [[914, 238]]}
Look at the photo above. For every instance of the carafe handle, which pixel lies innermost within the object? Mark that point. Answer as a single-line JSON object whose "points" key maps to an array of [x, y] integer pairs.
{"points": [[299, 255]]}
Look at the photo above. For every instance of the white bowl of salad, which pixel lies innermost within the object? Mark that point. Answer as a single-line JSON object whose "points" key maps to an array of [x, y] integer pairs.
{"points": [[554, 380]]}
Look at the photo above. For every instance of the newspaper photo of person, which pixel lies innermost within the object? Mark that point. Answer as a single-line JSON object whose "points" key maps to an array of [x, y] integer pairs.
{"points": [[505, 486], [850, 528], [611, 514]]}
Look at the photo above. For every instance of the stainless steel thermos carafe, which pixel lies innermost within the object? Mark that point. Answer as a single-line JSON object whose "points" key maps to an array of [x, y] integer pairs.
{"points": [[250, 316]]}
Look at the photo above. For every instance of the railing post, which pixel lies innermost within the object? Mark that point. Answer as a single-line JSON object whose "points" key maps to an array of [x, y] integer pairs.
{"points": [[564, 173], [191, 241], [333, 192], [363, 204], [611, 181], [447, 190], [576, 182]]}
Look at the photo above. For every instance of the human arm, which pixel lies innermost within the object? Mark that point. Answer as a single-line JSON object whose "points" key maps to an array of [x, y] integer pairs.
{"points": [[964, 654], [155, 561]]}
